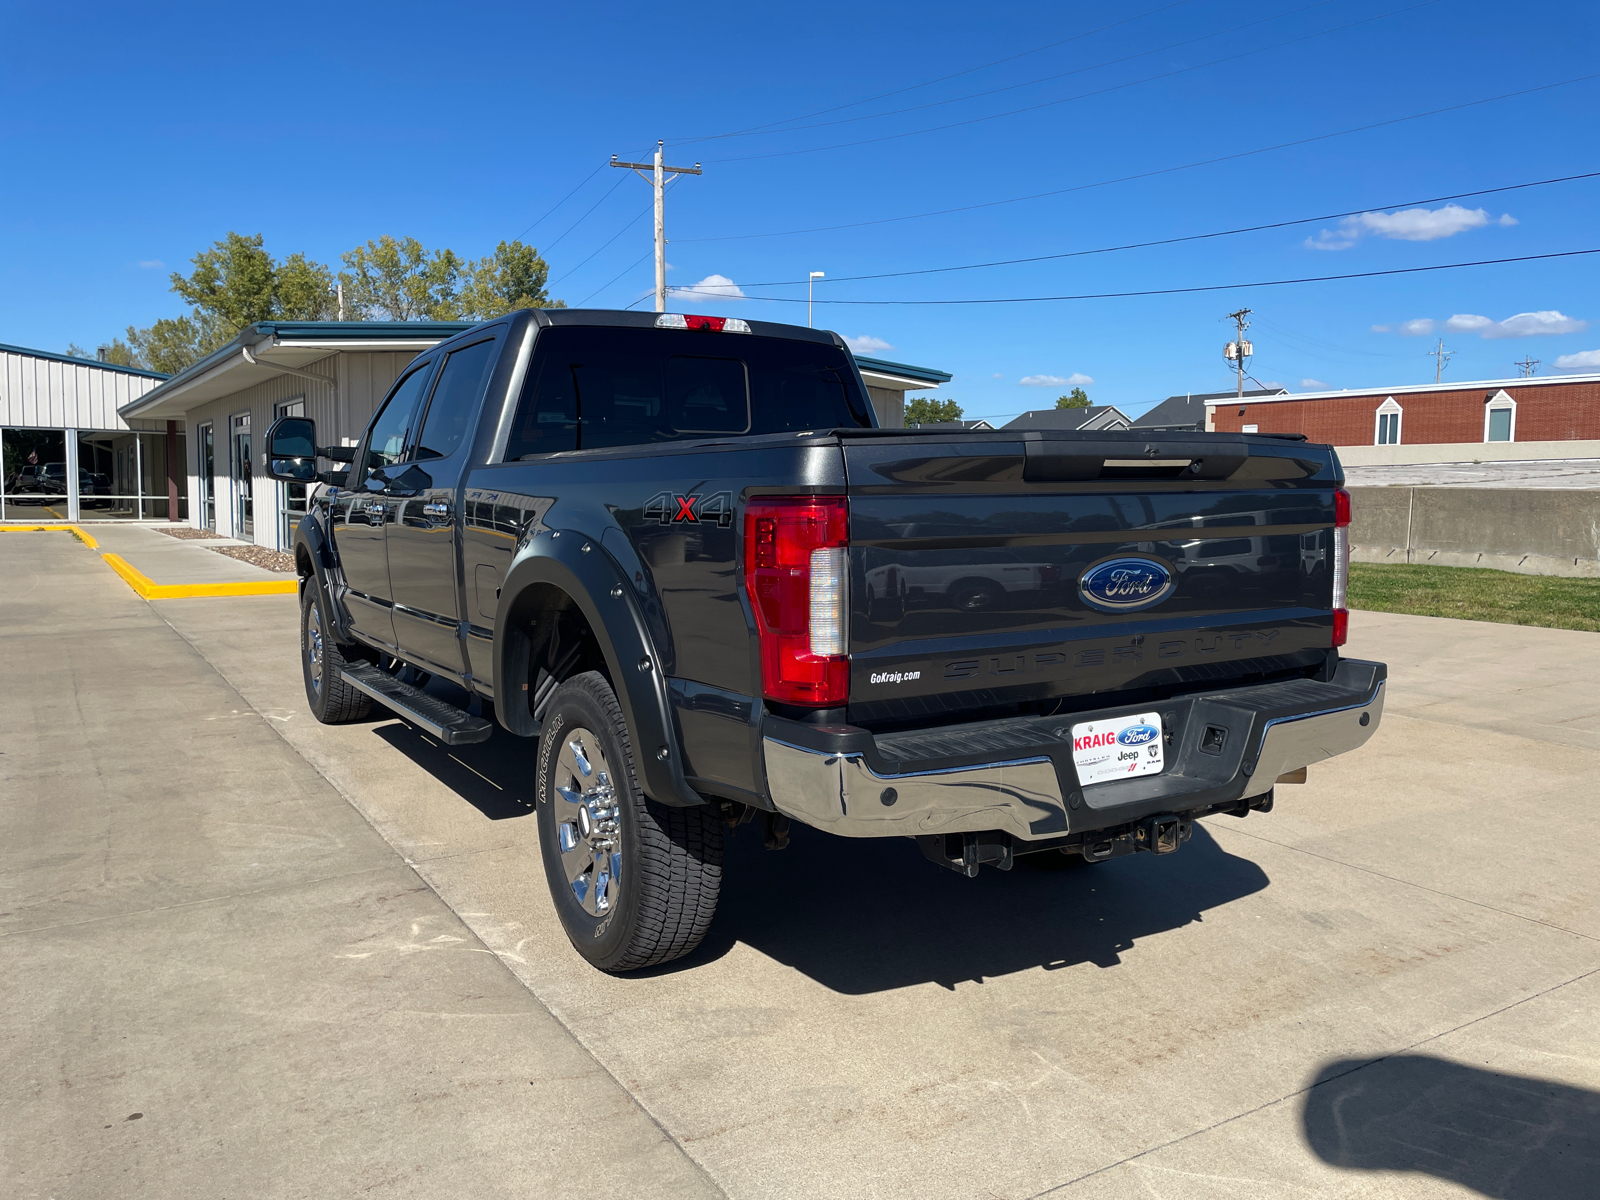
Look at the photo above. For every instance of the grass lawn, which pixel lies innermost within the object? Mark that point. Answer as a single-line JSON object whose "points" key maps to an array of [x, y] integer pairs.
{"points": [[1474, 594]]}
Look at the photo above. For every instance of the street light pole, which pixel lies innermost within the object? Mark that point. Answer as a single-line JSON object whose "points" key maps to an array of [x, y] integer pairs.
{"points": [[811, 282]]}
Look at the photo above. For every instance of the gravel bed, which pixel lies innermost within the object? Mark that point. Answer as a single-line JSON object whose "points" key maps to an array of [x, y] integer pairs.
{"points": [[270, 560], [185, 532]]}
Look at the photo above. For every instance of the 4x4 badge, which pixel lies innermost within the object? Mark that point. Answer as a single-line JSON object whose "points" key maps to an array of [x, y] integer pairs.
{"points": [[669, 508]]}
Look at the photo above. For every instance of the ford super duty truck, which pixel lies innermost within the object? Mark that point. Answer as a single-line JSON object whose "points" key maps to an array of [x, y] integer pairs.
{"points": [[677, 555]]}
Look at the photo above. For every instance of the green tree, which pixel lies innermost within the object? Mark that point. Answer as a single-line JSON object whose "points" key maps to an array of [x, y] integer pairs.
{"points": [[397, 280], [234, 284], [303, 291], [927, 411], [513, 277], [1076, 398], [170, 345]]}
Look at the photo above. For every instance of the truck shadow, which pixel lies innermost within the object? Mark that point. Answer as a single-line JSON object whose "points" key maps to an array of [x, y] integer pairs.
{"points": [[863, 916], [1501, 1135]]}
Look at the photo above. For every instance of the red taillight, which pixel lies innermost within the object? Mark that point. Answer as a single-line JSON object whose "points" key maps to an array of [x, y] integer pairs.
{"points": [[794, 572], [1341, 565]]}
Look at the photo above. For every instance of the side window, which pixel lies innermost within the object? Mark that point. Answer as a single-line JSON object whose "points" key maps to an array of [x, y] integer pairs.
{"points": [[547, 414], [386, 439], [455, 400]]}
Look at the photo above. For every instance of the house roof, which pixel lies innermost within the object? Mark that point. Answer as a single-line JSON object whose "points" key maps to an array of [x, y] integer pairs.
{"points": [[1097, 416], [75, 361], [949, 426], [245, 360], [1412, 389]]}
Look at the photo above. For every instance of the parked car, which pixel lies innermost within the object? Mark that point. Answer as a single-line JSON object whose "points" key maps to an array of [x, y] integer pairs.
{"points": [[660, 549]]}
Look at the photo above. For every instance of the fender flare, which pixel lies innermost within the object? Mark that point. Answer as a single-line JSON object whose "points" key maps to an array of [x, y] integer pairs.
{"points": [[581, 567], [323, 567]]}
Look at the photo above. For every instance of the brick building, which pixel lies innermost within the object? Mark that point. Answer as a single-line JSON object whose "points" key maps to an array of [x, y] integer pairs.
{"points": [[1558, 409]]}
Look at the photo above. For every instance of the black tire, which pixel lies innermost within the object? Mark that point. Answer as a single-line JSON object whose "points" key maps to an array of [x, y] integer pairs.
{"points": [[634, 882], [332, 700]]}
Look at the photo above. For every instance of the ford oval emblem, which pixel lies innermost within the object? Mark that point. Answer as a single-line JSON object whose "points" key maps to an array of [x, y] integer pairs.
{"points": [[1138, 735], [1125, 584]]}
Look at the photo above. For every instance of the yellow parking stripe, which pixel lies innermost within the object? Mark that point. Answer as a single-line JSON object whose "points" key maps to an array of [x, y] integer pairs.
{"points": [[82, 535], [151, 590], [148, 589]]}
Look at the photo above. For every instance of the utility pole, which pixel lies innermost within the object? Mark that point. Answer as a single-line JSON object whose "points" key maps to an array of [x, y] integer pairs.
{"points": [[658, 179], [1527, 366], [1237, 351], [1443, 357]]}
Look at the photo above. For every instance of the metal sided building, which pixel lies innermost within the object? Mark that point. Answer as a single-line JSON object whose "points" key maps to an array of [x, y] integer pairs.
{"points": [[337, 373], [68, 454]]}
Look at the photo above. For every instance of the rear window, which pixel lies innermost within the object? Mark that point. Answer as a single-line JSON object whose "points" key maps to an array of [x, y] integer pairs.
{"points": [[590, 388]]}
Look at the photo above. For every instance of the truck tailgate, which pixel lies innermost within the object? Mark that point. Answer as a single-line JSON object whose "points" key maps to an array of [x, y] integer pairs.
{"points": [[1001, 568]]}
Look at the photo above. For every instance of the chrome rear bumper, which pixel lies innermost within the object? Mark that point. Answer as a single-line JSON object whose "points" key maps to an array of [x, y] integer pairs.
{"points": [[1030, 797]]}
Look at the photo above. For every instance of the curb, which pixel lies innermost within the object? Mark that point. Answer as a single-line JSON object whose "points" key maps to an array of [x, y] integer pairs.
{"points": [[147, 589]]}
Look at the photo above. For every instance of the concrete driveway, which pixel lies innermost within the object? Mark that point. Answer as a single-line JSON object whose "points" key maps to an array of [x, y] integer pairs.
{"points": [[1388, 986]]}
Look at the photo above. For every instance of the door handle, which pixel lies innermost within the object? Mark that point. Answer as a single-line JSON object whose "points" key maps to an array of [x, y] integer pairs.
{"points": [[436, 508]]}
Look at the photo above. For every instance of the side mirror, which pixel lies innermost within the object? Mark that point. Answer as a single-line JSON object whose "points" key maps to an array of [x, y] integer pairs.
{"points": [[292, 450]]}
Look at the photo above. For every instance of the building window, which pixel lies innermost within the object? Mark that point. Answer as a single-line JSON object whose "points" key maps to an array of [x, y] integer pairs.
{"points": [[1500, 418], [1388, 433]]}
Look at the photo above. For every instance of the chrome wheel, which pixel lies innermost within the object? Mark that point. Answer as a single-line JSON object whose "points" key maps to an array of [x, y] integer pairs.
{"points": [[314, 648], [587, 820]]}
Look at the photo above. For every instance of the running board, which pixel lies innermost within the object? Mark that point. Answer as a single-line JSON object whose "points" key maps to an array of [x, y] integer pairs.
{"points": [[449, 724]]}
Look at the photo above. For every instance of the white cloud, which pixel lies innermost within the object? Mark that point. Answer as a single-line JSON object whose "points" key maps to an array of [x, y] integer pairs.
{"points": [[999, 376], [1584, 360], [1073, 380], [1380, 329], [1407, 225], [1313, 385], [712, 287], [866, 344], [152, 264], [1531, 324], [1273, 384], [1421, 327], [1528, 324]]}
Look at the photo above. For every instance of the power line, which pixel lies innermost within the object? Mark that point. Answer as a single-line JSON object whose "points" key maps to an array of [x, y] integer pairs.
{"points": [[928, 83], [1205, 162], [619, 275], [643, 212], [1011, 87], [560, 202], [585, 216], [1215, 287], [889, 137], [1193, 237]]}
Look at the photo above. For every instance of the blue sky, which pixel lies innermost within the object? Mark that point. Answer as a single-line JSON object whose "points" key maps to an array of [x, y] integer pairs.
{"points": [[134, 138]]}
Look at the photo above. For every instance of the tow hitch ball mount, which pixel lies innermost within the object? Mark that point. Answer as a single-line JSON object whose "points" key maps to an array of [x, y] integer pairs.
{"points": [[965, 853]]}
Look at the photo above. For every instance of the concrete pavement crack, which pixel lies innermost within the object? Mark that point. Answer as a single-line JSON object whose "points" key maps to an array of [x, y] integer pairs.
{"points": [[1372, 1062]]}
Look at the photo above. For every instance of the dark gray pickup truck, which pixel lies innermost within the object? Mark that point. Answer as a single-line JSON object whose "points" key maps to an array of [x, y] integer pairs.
{"points": [[676, 553]]}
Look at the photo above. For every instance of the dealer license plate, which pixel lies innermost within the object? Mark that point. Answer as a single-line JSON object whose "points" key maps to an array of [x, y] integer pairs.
{"points": [[1118, 748]]}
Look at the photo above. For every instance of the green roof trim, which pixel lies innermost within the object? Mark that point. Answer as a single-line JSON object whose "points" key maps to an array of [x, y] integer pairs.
{"points": [[905, 369], [75, 361]]}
